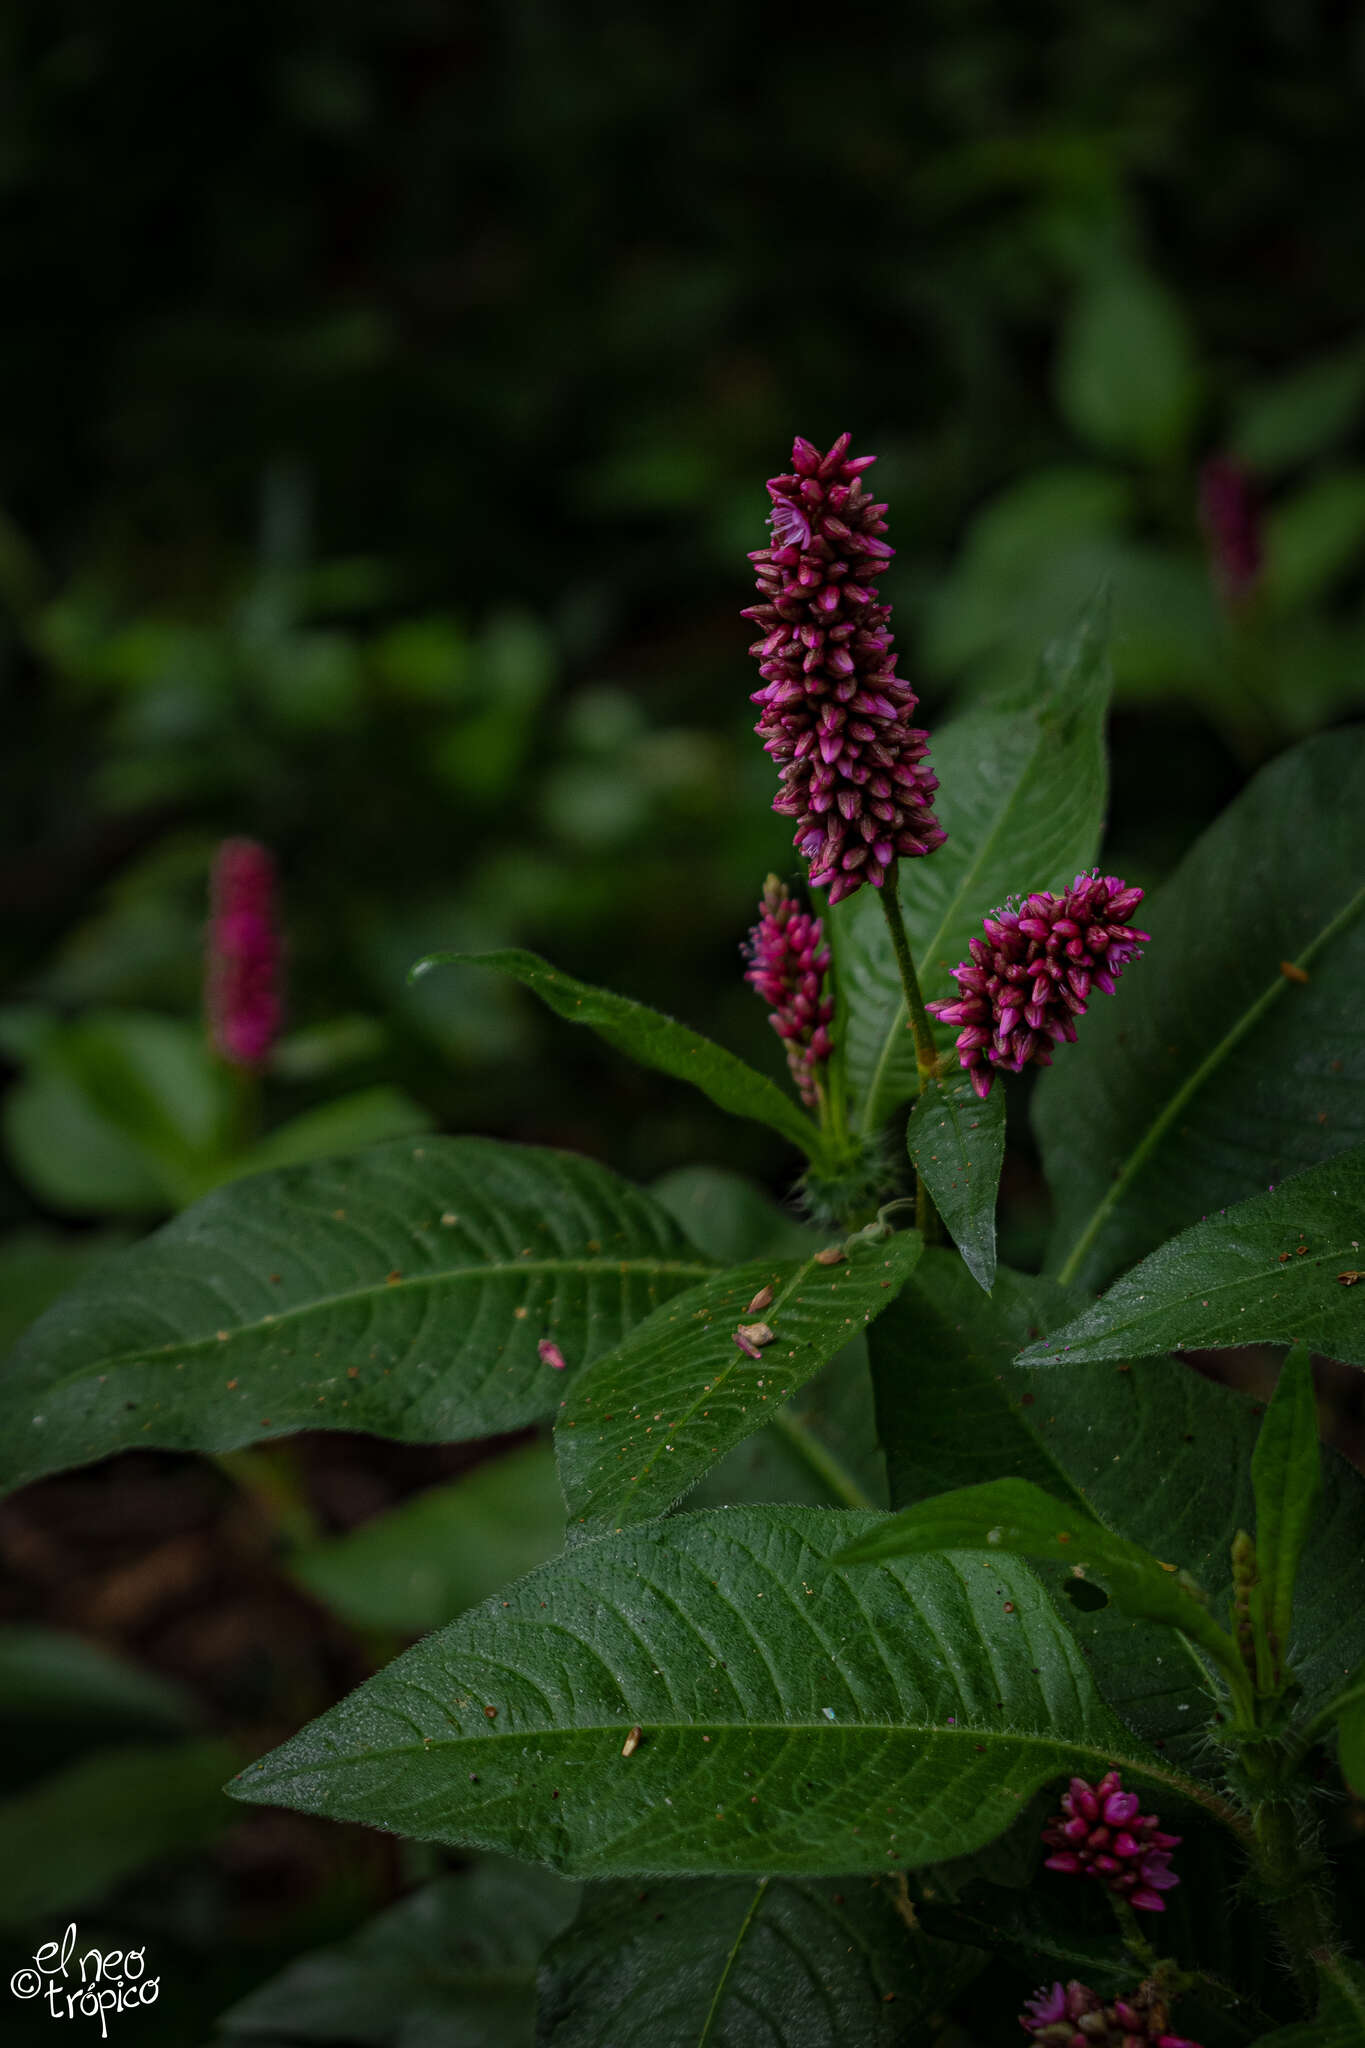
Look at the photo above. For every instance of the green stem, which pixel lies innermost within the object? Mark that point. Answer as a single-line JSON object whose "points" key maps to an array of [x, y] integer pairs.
{"points": [[1290, 1867], [834, 1477], [926, 1052]]}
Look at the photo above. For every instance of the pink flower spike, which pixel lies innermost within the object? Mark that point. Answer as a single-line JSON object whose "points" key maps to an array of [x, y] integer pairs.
{"points": [[550, 1354], [834, 715], [243, 956]]}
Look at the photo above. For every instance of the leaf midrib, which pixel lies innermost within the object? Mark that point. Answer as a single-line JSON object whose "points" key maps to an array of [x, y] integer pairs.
{"points": [[731, 1959], [1035, 1356], [808, 1270], [377, 1290], [1156, 1773], [1165, 1117]]}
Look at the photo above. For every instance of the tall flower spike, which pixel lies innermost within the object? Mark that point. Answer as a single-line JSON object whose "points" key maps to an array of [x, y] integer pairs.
{"points": [[1074, 2016], [1034, 973], [1100, 1833], [242, 975], [788, 962], [835, 715], [1230, 513]]}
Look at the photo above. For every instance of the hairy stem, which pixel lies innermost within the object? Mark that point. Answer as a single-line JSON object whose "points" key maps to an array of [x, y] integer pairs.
{"points": [[1290, 1867]]}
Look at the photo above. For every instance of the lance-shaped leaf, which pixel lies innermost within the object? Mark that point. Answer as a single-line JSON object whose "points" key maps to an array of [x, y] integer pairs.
{"points": [[1023, 785], [645, 1422], [70, 1838], [654, 1040], [727, 1962], [707, 1694], [1014, 1517], [454, 1963], [1286, 1264], [1155, 1451], [957, 1143], [1286, 1477], [439, 1551], [1233, 1053], [403, 1291]]}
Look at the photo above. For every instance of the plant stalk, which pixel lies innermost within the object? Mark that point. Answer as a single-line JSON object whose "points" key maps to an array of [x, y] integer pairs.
{"points": [[926, 1052], [1290, 1868]]}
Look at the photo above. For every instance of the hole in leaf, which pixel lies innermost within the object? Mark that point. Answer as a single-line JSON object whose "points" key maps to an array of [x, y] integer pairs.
{"points": [[1081, 1593]]}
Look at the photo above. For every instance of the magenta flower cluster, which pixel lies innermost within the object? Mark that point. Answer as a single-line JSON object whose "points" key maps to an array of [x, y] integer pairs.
{"points": [[1074, 2016], [1034, 972], [1100, 1833], [242, 976], [1230, 512], [835, 715], [788, 962]]}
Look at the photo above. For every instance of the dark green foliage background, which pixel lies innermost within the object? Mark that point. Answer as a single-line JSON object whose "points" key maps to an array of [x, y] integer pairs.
{"points": [[390, 393]]}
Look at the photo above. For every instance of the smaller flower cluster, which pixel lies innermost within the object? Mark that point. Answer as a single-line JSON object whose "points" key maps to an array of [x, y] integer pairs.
{"points": [[242, 993], [1100, 1833], [1034, 972], [1074, 2016], [788, 962]]}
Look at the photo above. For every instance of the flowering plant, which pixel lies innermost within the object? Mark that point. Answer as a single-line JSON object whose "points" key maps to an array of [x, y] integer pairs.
{"points": [[930, 1636]]}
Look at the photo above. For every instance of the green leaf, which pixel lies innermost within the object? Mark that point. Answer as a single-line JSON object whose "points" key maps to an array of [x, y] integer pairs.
{"points": [[1156, 1452], [119, 1113], [403, 1291], [793, 1717], [1022, 798], [1286, 1477], [1340, 2018], [452, 1966], [368, 1116], [38, 1265], [418, 1566], [644, 1423], [1314, 539], [1126, 377], [1302, 414], [1351, 1740], [957, 1143], [48, 1675], [820, 1450], [1015, 1518], [1210, 1074], [1266, 1271], [653, 1039], [706, 1964], [73, 1836]]}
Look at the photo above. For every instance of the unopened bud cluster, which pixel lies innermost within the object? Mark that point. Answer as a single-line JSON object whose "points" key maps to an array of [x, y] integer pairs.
{"points": [[1074, 2016], [1100, 1833], [1034, 972], [788, 962]]}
